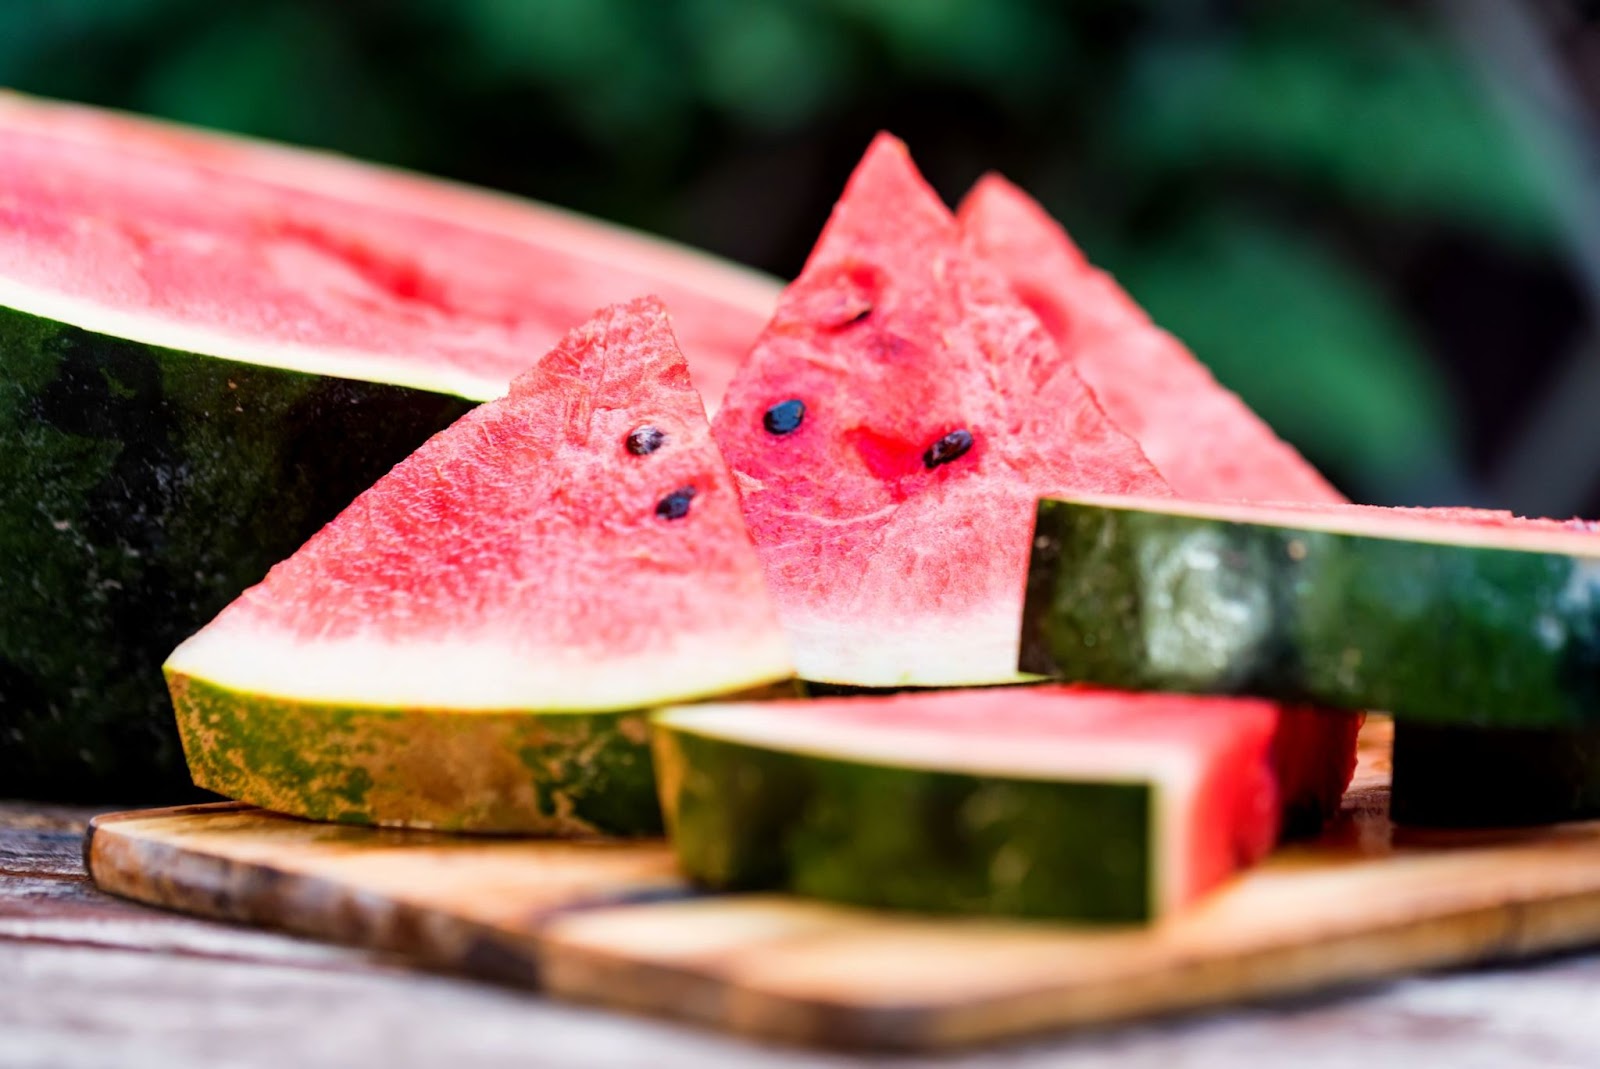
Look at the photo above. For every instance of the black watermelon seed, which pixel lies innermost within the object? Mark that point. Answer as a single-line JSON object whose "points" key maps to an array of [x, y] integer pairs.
{"points": [[675, 506], [643, 441], [784, 417], [950, 447]]}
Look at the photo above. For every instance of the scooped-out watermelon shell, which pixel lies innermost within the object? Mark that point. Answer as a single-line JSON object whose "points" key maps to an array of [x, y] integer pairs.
{"points": [[1047, 802], [210, 346], [470, 645]]}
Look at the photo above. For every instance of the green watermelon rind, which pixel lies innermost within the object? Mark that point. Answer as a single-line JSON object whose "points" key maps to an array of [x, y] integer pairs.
{"points": [[144, 488], [744, 816], [572, 774], [1479, 634]]}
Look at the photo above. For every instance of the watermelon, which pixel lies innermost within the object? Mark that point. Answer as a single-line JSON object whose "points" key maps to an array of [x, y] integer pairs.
{"points": [[1454, 617], [1048, 802], [469, 645], [212, 345], [1203, 439], [890, 432]]}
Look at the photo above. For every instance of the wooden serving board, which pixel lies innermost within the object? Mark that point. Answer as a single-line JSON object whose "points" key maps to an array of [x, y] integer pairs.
{"points": [[611, 923]]}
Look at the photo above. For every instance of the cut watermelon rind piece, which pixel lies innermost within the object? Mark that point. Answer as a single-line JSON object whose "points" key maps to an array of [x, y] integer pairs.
{"points": [[1468, 618], [488, 771], [1087, 812]]}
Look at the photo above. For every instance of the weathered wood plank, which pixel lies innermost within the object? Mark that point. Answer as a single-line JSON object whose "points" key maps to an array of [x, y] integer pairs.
{"points": [[80, 1009], [1365, 902]]}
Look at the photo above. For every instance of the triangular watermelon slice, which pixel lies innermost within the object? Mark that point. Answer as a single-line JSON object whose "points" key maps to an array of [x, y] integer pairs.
{"points": [[1206, 441], [1203, 439], [469, 644], [891, 431]]}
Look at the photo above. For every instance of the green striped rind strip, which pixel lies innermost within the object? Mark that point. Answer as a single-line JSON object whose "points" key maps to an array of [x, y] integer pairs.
{"points": [[515, 771], [141, 490], [747, 817], [1446, 634]]}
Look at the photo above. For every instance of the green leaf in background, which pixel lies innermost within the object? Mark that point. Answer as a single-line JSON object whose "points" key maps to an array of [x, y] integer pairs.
{"points": [[1005, 48], [254, 68], [1360, 102], [1311, 345], [771, 66]]}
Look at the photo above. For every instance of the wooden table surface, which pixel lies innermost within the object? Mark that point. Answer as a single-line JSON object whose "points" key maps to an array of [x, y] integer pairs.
{"points": [[88, 980]]}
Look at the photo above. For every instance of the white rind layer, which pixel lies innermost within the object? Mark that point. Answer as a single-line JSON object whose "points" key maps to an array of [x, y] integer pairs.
{"points": [[343, 363], [1170, 770], [490, 673], [1395, 525], [974, 649]]}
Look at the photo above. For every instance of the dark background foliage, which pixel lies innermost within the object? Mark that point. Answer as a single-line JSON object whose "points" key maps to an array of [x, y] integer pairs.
{"points": [[1377, 221]]}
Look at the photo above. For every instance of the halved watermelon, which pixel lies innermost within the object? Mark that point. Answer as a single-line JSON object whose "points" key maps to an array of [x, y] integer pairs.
{"points": [[1450, 616], [470, 643], [891, 431], [210, 346], [1030, 801], [1204, 440]]}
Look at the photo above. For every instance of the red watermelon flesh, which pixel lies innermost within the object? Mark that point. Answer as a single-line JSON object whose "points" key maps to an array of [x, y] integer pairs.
{"points": [[525, 558], [287, 258], [893, 519], [1203, 439]]}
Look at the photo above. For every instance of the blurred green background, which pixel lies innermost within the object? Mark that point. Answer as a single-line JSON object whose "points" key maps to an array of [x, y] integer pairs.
{"points": [[1374, 220]]}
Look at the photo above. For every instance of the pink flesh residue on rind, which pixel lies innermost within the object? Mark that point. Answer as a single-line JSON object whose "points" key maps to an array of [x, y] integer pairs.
{"points": [[529, 522], [893, 337], [265, 245]]}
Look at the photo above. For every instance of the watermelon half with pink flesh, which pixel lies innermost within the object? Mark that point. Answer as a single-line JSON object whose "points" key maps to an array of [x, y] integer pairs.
{"points": [[1043, 801], [211, 345], [1204, 440], [470, 644], [890, 432]]}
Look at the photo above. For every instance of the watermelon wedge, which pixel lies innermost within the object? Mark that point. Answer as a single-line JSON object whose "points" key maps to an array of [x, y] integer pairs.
{"points": [[1455, 617], [470, 643], [890, 432], [1047, 802], [210, 346], [1204, 440]]}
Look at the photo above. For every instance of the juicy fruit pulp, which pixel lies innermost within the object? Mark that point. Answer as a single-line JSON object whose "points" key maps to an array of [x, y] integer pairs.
{"points": [[210, 346], [890, 432], [1204, 440], [1454, 617], [1035, 801], [291, 259], [469, 643]]}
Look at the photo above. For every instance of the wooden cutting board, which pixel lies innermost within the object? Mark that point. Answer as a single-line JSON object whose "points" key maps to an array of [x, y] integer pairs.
{"points": [[611, 923]]}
